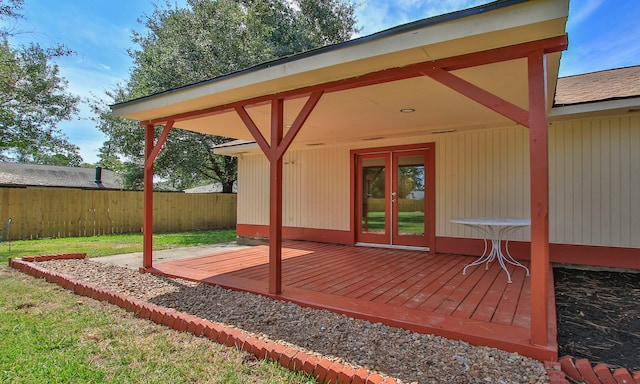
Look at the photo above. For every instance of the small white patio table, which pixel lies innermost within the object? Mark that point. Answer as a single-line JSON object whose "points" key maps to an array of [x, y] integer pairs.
{"points": [[497, 230]]}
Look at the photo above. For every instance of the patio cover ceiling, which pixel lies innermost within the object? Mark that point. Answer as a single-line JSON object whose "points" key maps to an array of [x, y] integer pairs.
{"points": [[351, 113]]}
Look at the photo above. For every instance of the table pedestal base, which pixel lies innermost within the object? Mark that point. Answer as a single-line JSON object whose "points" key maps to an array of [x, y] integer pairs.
{"points": [[496, 238]]}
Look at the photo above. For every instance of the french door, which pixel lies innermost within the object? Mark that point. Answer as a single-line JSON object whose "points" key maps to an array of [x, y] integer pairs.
{"points": [[394, 194]]}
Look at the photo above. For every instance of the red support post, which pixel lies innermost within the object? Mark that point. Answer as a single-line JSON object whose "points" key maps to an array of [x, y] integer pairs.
{"points": [[311, 103], [274, 151], [151, 151], [539, 168], [275, 198], [147, 226], [253, 129]]}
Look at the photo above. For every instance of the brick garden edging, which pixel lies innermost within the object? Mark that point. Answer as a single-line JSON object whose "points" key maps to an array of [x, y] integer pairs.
{"points": [[324, 370], [583, 371]]}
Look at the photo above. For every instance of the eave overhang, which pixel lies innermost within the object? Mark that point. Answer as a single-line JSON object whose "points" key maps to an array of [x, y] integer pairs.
{"points": [[617, 106], [355, 113]]}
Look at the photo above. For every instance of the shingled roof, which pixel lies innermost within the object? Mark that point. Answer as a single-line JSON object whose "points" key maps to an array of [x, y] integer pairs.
{"points": [[612, 84], [32, 175]]}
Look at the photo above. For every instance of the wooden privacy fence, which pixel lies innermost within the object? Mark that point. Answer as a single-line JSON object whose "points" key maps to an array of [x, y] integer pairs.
{"points": [[404, 205], [62, 212]]}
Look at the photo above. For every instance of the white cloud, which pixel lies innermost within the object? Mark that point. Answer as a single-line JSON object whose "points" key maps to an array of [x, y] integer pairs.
{"points": [[610, 50], [602, 35], [88, 82], [85, 135], [582, 10]]}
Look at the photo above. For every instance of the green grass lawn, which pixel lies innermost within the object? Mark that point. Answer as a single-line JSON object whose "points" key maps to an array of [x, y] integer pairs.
{"points": [[409, 222], [107, 245], [50, 335]]}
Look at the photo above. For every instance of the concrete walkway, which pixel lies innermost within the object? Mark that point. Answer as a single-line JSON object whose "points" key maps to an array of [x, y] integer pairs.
{"points": [[134, 260]]}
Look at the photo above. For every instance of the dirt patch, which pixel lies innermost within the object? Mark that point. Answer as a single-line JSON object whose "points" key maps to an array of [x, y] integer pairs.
{"points": [[599, 316]]}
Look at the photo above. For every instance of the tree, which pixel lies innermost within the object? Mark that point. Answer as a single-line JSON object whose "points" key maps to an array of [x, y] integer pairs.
{"points": [[410, 179], [69, 160], [10, 9], [206, 39], [33, 100]]}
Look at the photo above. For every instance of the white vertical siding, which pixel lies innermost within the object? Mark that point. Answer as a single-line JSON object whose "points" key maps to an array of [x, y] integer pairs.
{"points": [[315, 189], [594, 181], [327, 187], [481, 173], [253, 189]]}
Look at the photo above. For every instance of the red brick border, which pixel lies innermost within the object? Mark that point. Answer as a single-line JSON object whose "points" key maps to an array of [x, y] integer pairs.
{"points": [[582, 370], [324, 370], [288, 356]]}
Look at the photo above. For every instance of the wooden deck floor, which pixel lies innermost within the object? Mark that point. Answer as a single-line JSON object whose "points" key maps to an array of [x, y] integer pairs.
{"points": [[408, 289]]}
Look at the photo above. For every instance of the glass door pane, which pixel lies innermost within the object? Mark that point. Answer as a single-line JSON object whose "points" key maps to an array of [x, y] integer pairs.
{"points": [[408, 199], [374, 184], [373, 214]]}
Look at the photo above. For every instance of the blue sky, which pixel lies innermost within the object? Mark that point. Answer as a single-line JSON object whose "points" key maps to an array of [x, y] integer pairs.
{"points": [[603, 34]]}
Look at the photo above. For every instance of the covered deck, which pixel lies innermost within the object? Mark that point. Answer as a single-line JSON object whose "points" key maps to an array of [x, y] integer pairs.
{"points": [[415, 290], [482, 68]]}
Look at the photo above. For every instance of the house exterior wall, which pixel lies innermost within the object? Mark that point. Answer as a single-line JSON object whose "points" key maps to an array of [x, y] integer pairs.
{"points": [[320, 175], [482, 173], [594, 181], [594, 176]]}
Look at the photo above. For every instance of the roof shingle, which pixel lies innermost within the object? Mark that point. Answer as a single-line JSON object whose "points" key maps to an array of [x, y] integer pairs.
{"points": [[21, 174], [611, 84]]}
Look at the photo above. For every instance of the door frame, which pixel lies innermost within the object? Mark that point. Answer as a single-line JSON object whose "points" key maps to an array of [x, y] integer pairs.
{"points": [[430, 188]]}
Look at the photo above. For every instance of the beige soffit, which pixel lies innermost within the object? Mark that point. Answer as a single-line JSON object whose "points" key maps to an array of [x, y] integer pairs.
{"points": [[372, 110]]}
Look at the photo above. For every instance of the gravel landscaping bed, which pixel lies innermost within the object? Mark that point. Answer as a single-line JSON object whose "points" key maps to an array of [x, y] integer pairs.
{"points": [[407, 356]]}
